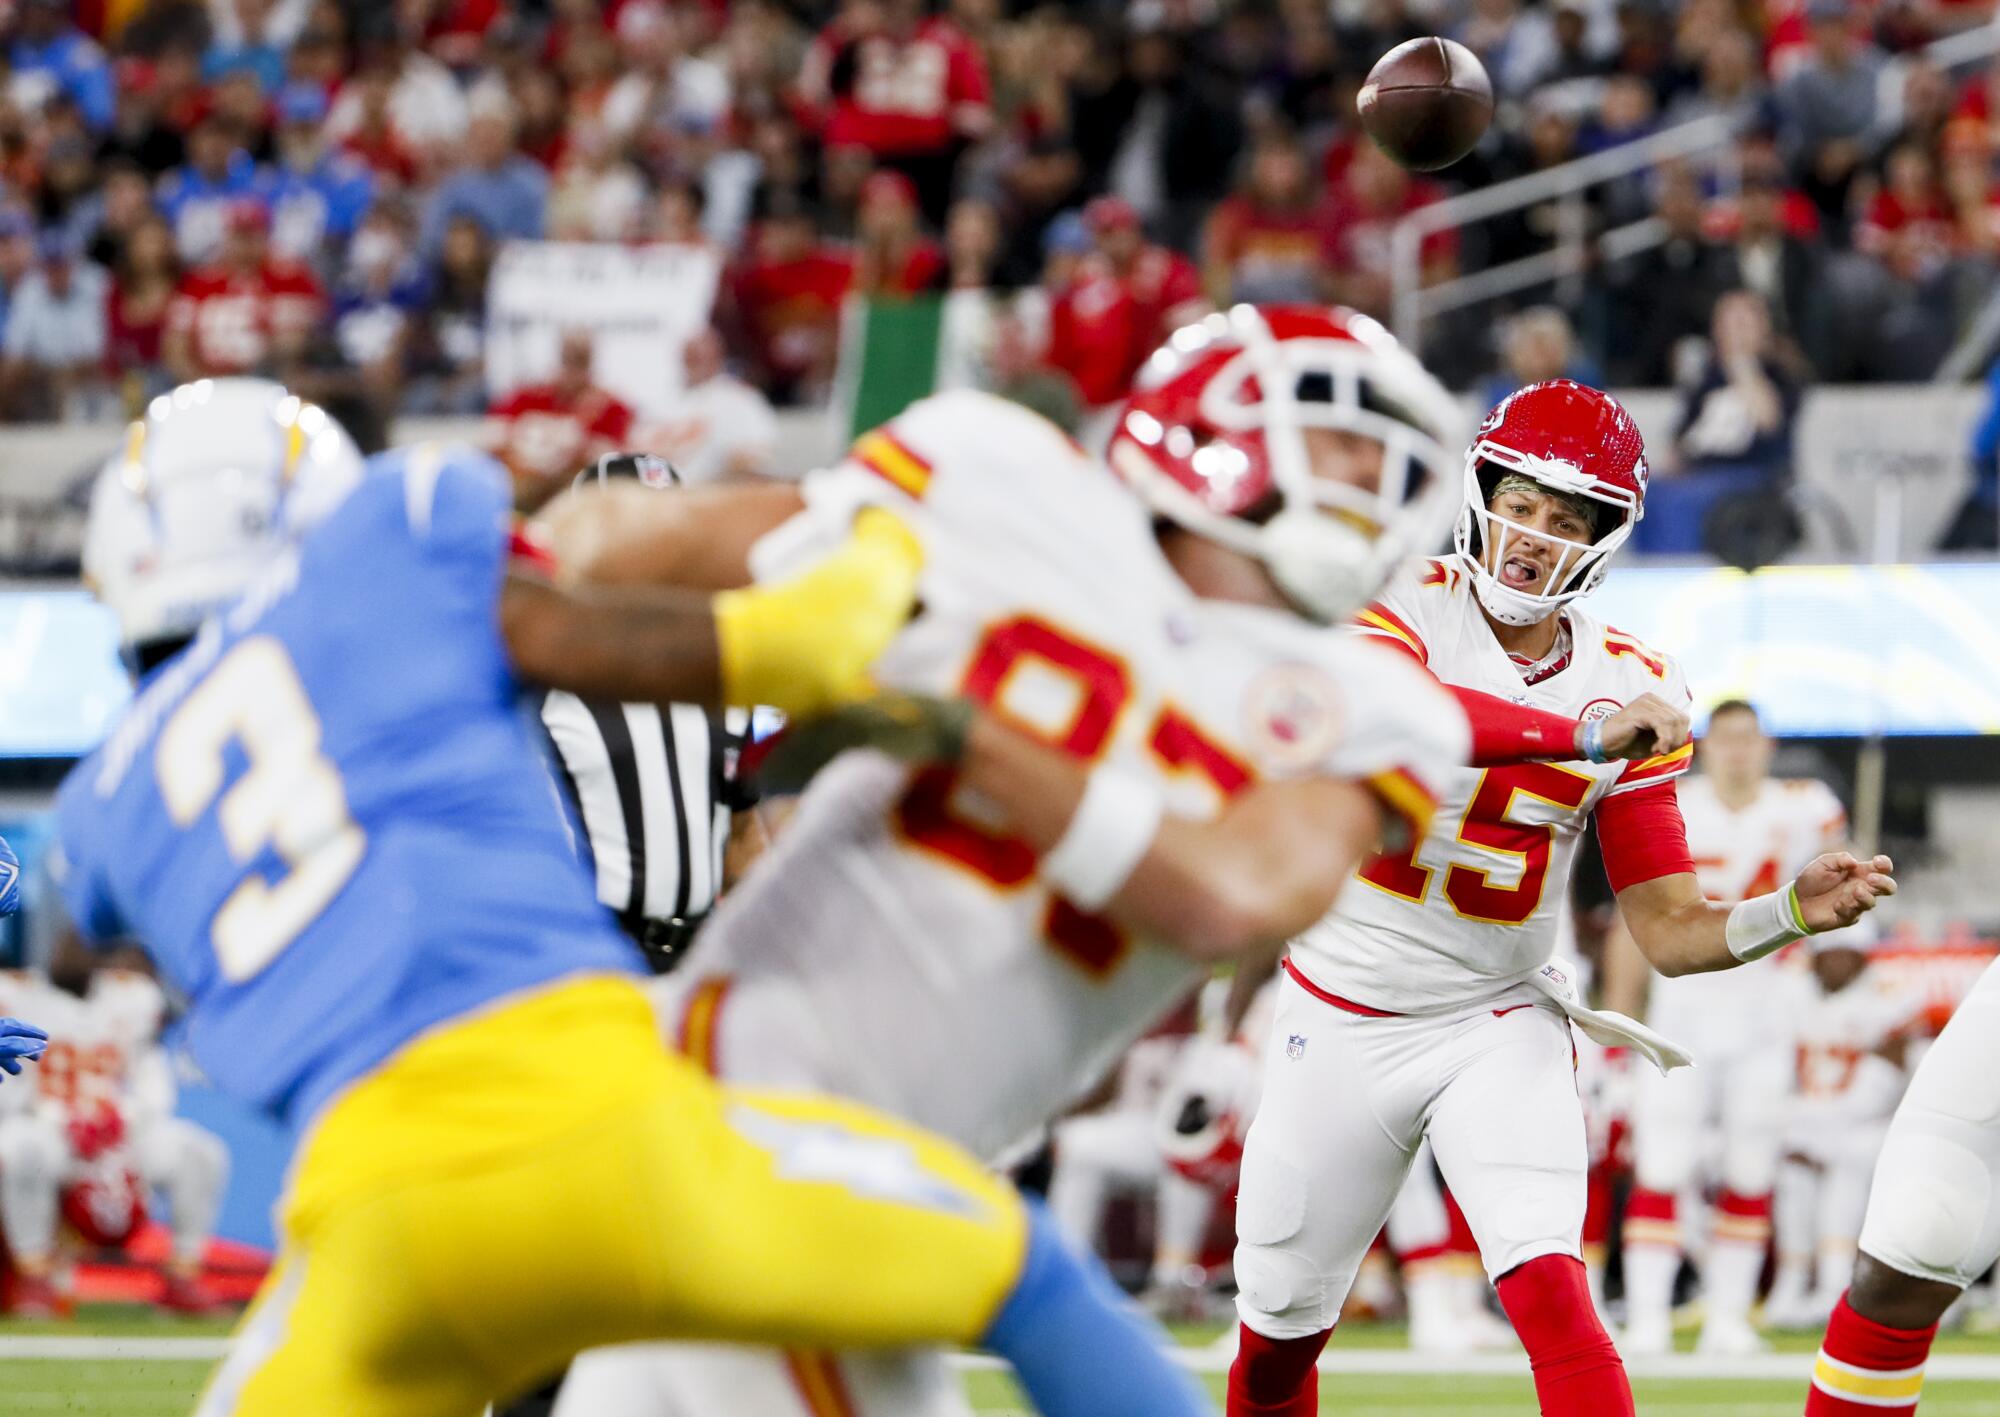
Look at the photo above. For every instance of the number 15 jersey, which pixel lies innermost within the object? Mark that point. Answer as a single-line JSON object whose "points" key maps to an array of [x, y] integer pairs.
{"points": [[896, 946], [1473, 909]]}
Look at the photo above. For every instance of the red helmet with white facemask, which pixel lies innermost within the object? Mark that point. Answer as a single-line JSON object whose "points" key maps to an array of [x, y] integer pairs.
{"points": [[1215, 437], [1576, 442]]}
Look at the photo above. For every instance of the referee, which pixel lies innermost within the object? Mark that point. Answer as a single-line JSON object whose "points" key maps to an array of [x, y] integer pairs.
{"points": [[654, 786]]}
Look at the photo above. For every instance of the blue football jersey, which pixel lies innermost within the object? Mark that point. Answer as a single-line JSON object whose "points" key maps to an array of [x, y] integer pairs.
{"points": [[327, 817]]}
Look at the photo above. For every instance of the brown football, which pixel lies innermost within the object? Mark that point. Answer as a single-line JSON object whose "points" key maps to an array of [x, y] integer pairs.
{"points": [[1426, 102]]}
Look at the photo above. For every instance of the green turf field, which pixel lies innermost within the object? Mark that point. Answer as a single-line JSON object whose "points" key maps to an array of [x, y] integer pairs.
{"points": [[151, 1386]]}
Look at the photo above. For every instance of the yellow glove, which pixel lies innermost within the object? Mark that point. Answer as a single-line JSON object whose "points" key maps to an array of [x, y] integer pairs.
{"points": [[805, 644]]}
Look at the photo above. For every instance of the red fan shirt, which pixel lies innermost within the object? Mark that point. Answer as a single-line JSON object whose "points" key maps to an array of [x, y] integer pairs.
{"points": [[230, 318]]}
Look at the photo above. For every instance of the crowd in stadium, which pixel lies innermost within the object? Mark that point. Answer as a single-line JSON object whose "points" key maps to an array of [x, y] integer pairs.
{"points": [[316, 188]]}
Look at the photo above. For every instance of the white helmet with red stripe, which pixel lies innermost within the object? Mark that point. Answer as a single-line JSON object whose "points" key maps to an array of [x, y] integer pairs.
{"points": [[1569, 439], [1217, 437]]}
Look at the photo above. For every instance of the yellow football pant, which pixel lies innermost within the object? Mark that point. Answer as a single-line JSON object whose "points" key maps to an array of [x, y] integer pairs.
{"points": [[546, 1177]]}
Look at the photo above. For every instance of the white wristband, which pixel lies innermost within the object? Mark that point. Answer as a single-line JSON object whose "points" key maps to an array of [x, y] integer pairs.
{"points": [[1765, 923], [1106, 837]]}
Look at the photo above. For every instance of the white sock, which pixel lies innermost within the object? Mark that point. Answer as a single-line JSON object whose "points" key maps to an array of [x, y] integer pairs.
{"points": [[1649, 1284]]}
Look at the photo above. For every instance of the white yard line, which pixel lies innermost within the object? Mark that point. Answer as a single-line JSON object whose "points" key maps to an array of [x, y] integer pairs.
{"points": [[1969, 1367]]}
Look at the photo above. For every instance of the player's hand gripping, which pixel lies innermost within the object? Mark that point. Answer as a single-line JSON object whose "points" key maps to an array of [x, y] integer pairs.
{"points": [[18, 1041], [912, 728], [1644, 728], [1837, 889]]}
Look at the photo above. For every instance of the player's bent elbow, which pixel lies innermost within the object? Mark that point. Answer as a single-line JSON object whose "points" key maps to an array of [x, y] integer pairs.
{"points": [[1237, 916]]}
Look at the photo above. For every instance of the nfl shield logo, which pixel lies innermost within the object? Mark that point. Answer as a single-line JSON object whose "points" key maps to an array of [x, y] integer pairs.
{"points": [[1295, 1046]]}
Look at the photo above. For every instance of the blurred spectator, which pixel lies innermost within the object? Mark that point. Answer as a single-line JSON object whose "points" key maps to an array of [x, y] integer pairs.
{"points": [[971, 245], [67, 201], [1516, 44], [1785, 267], [721, 428], [788, 297], [52, 354], [892, 256], [280, 22], [317, 197], [142, 131], [379, 303], [17, 256], [1907, 225], [449, 353], [1181, 128], [1361, 210], [663, 92], [1536, 345], [1267, 243], [1123, 299], [597, 195], [145, 277], [245, 312], [422, 102], [1830, 107], [1732, 83], [198, 198], [545, 432], [504, 192], [1661, 300], [1739, 416], [910, 89], [371, 134], [122, 202], [50, 56], [675, 219], [247, 46]]}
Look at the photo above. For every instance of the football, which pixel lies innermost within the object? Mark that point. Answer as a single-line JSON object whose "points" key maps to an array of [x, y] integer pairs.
{"points": [[1426, 102]]}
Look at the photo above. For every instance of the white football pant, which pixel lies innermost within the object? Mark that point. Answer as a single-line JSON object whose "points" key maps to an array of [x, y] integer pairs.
{"points": [[1934, 1208], [1349, 1099], [1103, 1154], [187, 1163]]}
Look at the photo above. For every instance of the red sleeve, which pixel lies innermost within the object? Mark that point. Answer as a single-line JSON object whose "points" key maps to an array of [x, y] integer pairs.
{"points": [[1504, 732], [1643, 836]]}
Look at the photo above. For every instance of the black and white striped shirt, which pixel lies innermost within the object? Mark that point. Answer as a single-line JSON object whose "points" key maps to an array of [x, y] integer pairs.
{"points": [[655, 791]]}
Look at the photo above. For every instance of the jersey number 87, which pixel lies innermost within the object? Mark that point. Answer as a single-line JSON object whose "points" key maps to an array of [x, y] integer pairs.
{"points": [[290, 799], [929, 817]]}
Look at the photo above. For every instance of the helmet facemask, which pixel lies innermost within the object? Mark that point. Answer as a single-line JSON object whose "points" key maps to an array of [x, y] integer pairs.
{"points": [[1327, 543], [1578, 567]]}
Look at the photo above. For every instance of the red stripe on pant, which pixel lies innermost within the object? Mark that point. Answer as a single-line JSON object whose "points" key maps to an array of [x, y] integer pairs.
{"points": [[1577, 1371]]}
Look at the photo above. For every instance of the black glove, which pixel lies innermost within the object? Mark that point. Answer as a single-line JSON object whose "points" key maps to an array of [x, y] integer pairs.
{"points": [[912, 728]]}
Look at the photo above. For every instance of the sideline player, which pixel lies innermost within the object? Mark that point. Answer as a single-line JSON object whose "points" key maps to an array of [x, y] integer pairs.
{"points": [[957, 945], [1853, 1028], [95, 1135], [1426, 1003], [327, 820], [1749, 832]]}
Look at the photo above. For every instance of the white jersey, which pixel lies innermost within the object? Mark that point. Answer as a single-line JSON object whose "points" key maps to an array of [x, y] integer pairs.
{"points": [[1739, 853], [1842, 1079], [893, 946], [1475, 907]]}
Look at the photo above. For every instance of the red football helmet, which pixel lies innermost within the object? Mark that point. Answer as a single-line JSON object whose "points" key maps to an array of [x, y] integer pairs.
{"points": [[1572, 439], [1213, 438]]}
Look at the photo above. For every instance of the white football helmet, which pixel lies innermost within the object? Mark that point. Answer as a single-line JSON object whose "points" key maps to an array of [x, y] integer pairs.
{"points": [[217, 477], [130, 1003]]}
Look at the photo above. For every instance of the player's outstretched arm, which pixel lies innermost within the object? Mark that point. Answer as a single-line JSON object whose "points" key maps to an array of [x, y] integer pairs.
{"points": [[623, 533], [1248, 879], [801, 644], [1505, 732], [1681, 932]]}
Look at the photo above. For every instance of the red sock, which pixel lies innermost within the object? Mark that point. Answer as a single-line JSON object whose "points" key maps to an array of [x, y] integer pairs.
{"points": [[1866, 1369], [1577, 1372], [1275, 1377], [1649, 1218]]}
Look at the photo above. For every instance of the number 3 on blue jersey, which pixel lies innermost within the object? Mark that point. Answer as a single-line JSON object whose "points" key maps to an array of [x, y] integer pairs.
{"points": [[290, 799]]}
